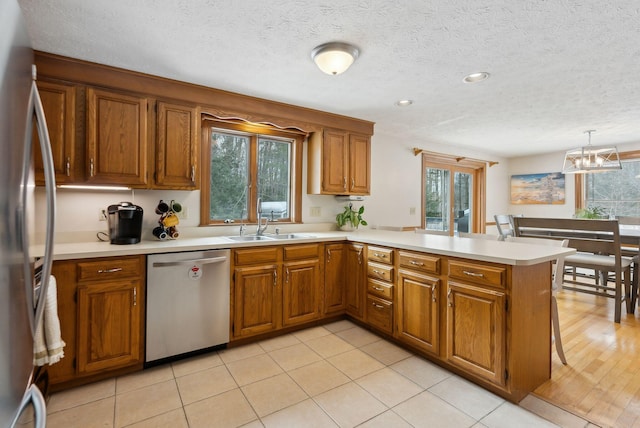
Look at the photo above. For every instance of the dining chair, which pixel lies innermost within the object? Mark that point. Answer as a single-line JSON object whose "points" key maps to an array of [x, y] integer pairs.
{"points": [[556, 284], [598, 247], [631, 251], [504, 224], [432, 231], [486, 236]]}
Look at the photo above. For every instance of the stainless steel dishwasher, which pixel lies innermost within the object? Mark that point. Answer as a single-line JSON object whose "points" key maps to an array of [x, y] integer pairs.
{"points": [[187, 302]]}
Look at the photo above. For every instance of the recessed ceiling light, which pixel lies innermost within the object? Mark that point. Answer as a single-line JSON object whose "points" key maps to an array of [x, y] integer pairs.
{"points": [[404, 103], [476, 77]]}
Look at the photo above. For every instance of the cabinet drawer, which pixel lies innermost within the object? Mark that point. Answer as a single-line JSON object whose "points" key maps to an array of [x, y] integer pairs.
{"points": [[419, 262], [296, 252], [380, 289], [109, 268], [381, 272], [495, 276], [380, 313], [381, 255], [247, 256]]}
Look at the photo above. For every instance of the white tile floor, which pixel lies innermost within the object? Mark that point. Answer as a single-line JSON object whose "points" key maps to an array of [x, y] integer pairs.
{"points": [[335, 375]]}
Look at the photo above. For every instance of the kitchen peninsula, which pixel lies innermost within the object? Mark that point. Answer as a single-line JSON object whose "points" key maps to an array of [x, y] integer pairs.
{"points": [[478, 308]]}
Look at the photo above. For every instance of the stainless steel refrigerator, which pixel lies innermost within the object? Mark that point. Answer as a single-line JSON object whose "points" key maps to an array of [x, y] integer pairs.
{"points": [[22, 280]]}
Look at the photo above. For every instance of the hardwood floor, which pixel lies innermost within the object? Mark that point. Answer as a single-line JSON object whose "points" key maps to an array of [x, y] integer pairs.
{"points": [[601, 381]]}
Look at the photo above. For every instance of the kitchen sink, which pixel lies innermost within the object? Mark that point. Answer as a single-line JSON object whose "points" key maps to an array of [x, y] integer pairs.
{"points": [[284, 236], [291, 236], [250, 238]]}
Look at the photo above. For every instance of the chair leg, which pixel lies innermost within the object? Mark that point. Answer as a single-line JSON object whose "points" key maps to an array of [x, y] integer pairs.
{"points": [[618, 298], [556, 330]]}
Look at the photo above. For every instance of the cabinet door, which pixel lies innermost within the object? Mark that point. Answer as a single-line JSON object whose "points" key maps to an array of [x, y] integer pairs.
{"points": [[301, 292], [109, 318], [256, 297], [59, 104], [417, 311], [334, 162], [355, 280], [476, 331], [359, 164], [65, 273], [116, 138], [334, 278], [177, 147]]}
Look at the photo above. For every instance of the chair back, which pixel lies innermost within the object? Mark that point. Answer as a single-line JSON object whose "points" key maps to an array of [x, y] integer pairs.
{"points": [[504, 224], [585, 235]]}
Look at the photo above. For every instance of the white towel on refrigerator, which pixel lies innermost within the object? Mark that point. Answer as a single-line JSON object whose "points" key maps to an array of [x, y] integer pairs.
{"points": [[48, 345]]}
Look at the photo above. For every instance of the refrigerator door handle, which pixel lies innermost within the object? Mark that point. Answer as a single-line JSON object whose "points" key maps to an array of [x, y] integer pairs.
{"points": [[34, 397], [37, 299]]}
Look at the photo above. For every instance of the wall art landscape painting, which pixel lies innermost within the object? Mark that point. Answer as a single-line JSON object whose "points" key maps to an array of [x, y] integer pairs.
{"points": [[545, 188]]}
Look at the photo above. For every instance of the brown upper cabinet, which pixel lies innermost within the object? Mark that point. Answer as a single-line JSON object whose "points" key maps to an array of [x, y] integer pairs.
{"points": [[59, 104], [339, 163], [176, 156], [116, 138], [111, 126]]}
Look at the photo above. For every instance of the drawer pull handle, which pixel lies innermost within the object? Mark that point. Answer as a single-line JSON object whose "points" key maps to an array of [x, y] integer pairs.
{"points": [[118, 269], [415, 263], [378, 288], [474, 274], [377, 306], [382, 256]]}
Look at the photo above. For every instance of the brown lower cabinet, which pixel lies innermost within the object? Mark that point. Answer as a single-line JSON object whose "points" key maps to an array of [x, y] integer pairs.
{"points": [[488, 322], [101, 309], [275, 287]]}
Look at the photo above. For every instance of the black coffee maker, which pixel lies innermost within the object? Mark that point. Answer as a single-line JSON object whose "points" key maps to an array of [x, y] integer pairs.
{"points": [[125, 223]]}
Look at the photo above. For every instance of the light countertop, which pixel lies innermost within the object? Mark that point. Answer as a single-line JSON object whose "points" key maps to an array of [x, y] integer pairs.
{"points": [[509, 253]]}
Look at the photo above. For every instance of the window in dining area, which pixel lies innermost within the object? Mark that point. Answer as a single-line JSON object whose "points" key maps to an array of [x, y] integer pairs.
{"points": [[615, 193]]}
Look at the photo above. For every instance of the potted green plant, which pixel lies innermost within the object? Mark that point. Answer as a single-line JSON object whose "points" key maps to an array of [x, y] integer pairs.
{"points": [[591, 212], [350, 219]]}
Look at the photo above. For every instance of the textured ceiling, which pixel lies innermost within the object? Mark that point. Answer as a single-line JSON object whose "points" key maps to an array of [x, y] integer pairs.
{"points": [[557, 67]]}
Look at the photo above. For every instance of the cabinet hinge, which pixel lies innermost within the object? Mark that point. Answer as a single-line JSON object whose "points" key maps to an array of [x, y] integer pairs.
{"points": [[506, 375]]}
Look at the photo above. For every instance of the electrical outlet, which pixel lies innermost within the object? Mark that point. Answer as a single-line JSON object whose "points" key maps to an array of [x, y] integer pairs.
{"points": [[412, 211], [184, 213], [102, 214], [314, 212]]}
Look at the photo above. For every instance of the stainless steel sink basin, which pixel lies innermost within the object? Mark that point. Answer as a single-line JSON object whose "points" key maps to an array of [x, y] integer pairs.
{"points": [[284, 236], [291, 236], [250, 238]]}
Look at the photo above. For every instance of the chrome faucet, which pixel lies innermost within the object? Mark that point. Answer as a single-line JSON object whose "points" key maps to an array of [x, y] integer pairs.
{"points": [[261, 229]]}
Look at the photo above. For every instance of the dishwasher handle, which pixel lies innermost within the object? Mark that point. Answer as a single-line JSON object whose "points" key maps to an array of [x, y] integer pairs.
{"points": [[191, 262]]}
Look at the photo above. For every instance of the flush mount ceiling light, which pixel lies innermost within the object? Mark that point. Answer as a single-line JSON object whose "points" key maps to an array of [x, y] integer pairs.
{"points": [[335, 57], [404, 103], [589, 159], [476, 77]]}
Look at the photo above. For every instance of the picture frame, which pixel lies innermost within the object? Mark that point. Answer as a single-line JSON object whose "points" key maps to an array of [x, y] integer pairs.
{"points": [[538, 189]]}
